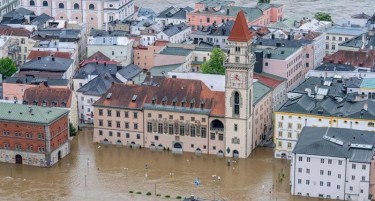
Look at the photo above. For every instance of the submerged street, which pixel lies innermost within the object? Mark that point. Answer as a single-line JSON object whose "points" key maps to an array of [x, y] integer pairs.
{"points": [[112, 171]]}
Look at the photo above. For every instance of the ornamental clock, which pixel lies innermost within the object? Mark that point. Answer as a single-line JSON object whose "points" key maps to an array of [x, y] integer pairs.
{"points": [[237, 80]]}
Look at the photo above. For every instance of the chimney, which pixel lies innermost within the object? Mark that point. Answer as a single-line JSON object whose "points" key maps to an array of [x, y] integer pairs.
{"points": [[53, 58], [227, 11], [39, 58], [365, 107], [273, 36], [364, 40]]}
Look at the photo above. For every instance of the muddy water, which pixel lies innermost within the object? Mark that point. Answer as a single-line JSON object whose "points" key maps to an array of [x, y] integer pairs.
{"points": [[338, 8], [112, 171]]}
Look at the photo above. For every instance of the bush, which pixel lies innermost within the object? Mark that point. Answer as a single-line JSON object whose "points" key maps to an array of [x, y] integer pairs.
{"points": [[131, 191], [72, 130], [167, 196], [139, 192], [148, 193], [178, 197]]}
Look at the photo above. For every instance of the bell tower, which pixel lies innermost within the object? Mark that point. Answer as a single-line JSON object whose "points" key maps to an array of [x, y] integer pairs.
{"points": [[239, 90]]}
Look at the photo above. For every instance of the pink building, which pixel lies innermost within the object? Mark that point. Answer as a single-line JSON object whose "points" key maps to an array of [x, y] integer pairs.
{"points": [[95, 13], [208, 12], [144, 57]]}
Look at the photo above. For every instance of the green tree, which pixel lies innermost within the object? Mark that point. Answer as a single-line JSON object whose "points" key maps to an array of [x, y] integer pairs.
{"points": [[264, 1], [323, 16], [7, 67], [215, 64], [72, 130]]}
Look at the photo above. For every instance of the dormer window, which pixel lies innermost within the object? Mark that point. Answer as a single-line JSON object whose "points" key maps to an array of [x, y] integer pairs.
{"points": [[35, 102], [44, 104], [53, 103], [164, 101], [183, 102], [63, 104], [174, 101], [202, 104], [192, 103], [134, 98], [153, 100]]}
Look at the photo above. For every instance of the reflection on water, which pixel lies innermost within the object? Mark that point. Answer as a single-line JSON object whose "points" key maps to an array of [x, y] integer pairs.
{"points": [[338, 9], [112, 171]]}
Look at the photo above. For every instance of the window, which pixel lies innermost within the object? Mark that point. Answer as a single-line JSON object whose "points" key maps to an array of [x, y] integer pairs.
{"points": [[135, 115], [32, 3], [308, 171], [100, 122], [307, 182], [321, 172], [333, 46], [321, 183], [100, 112], [266, 63], [118, 114], [203, 132], [329, 173], [299, 126], [221, 137], [236, 103], [307, 55], [299, 181], [237, 49], [110, 133], [289, 134], [280, 125], [280, 133], [338, 186], [351, 188], [340, 162], [353, 177], [109, 123], [127, 135], [212, 137], [91, 7], [170, 128], [118, 124], [300, 170], [118, 134], [300, 158], [328, 184], [100, 132], [237, 59], [76, 6], [109, 113], [126, 124], [138, 136], [353, 166], [322, 160], [126, 114], [339, 176], [156, 137], [329, 161], [235, 127], [290, 125], [363, 167], [160, 128], [289, 145], [135, 126], [61, 5], [45, 4], [149, 127], [279, 144], [192, 131], [363, 178]]}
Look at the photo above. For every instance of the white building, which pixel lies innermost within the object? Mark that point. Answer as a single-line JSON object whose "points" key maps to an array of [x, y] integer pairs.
{"points": [[333, 163], [116, 48], [318, 112], [172, 15], [175, 33], [338, 34]]}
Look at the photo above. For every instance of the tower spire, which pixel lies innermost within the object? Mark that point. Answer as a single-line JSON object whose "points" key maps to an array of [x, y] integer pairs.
{"points": [[240, 31]]}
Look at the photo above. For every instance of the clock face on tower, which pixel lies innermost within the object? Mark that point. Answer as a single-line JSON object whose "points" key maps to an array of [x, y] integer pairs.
{"points": [[237, 80]]}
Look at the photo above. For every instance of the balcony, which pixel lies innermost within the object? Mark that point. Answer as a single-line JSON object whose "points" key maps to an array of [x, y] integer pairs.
{"points": [[217, 125]]}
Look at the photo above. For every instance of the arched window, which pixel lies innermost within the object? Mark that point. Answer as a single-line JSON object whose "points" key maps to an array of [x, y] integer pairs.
{"points": [[61, 5], [32, 3], [236, 107], [76, 6], [45, 3], [370, 124], [91, 7]]}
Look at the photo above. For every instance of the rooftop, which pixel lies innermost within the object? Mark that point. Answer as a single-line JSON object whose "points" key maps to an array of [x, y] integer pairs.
{"points": [[354, 58], [334, 87], [51, 97], [240, 31], [277, 42], [37, 81], [171, 30], [251, 14], [176, 51], [269, 80], [173, 12], [330, 107], [368, 83], [335, 67], [279, 53], [99, 85], [259, 91], [49, 63], [30, 114], [35, 54], [108, 40], [342, 30], [354, 145], [361, 42], [8, 31]]}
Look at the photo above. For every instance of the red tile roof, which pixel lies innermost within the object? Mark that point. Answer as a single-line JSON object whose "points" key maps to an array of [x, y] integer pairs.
{"points": [[268, 80], [169, 89], [35, 54], [240, 31], [98, 57], [355, 58], [9, 31], [50, 95]]}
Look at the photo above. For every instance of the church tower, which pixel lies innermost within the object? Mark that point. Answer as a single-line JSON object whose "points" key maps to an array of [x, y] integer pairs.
{"points": [[239, 90]]}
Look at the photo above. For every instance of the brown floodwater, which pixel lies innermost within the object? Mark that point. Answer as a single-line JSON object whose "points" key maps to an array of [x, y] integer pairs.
{"points": [[112, 171]]}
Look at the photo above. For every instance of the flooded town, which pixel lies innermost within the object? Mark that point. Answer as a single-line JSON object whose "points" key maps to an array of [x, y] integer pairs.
{"points": [[206, 100]]}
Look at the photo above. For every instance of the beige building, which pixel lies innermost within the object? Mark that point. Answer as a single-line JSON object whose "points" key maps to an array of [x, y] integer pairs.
{"points": [[186, 115], [95, 13]]}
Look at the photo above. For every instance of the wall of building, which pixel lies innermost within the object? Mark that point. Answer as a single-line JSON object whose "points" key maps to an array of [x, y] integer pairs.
{"points": [[144, 58], [119, 53], [262, 118], [85, 108]]}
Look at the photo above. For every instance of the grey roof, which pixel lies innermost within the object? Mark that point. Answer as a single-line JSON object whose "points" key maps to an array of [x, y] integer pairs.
{"points": [[260, 90], [353, 82], [222, 29], [37, 81], [251, 14], [335, 67], [59, 33], [345, 30], [277, 42], [130, 71], [17, 15], [214, 3], [146, 12], [355, 145], [175, 51], [51, 64], [99, 32], [96, 69], [99, 85], [335, 87], [41, 19], [330, 107], [357, 42], [176, 13], [171, 30], [280, 53]]}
